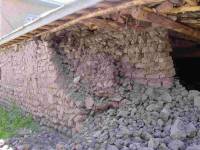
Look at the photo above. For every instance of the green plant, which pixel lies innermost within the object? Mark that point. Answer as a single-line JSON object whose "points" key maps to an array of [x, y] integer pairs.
{"points": [[13, 120]]}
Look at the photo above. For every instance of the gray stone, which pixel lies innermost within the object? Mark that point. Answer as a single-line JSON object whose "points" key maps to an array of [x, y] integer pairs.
{"points": [[125, 131], [123, 113], [191, 130], [176, 145], [160, 122], [178, 129], [166, 97], [184, 93], [77, 79], [192, 94], [152, 107], [146, 148], [119, 143], [163, 146], [197, 101], [150, 92], [125, 148], [193, 147], [133, 111], [154, 143], [97, 133], [165, 113], [112, 147]]}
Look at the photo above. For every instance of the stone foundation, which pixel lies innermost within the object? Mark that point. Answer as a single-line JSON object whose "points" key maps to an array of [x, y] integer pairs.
{"points": [[62, 77]]}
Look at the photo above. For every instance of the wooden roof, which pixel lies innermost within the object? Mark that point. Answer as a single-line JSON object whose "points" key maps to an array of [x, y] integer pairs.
{"points": [[182, 16]]}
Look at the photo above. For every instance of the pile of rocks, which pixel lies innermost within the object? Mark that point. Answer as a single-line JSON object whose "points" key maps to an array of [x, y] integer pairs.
{"points": [[150, 119], [44, 139]]}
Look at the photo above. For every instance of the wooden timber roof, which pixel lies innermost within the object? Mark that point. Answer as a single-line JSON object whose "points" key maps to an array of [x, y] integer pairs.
{"points": [[182, 16]]}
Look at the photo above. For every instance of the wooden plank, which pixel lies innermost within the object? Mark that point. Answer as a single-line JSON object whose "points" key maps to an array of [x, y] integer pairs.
{"points": [[182, 9], [164, 7], [191, 2], [102, 23], [145, 15]]}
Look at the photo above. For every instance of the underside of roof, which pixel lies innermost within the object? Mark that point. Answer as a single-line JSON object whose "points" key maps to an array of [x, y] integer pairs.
{"points": [[182, 16]]}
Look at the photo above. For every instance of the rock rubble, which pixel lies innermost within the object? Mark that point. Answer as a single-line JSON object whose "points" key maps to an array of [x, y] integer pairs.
{"points": [[166, 119], [149, 122]]}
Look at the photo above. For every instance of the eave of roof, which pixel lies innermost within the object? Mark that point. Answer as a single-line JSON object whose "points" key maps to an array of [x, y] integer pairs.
{"points": [[51, 2], [88, 12], [48, 17]]}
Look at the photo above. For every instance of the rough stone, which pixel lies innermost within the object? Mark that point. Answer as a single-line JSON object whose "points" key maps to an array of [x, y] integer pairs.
{"points": [[166, 97], [77, 79], [153, 143], [112, 147], [176, 145], [191, 130], [197, 101], [178, 129], [123, 113], [60, 146], [193, 147], [165, 113], [89, 102]]}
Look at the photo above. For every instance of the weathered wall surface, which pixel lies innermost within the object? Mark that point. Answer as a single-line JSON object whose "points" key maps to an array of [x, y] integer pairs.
{"points": [[75, 71], [142, 56], [29, 76]]}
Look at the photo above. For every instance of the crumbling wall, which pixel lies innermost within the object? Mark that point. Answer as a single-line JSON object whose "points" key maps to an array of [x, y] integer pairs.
{"points": [[30, 76], [100, 58], [62, 77]]}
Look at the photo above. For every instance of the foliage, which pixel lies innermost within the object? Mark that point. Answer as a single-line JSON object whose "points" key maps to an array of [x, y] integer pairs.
{"points": [[13, 120]]}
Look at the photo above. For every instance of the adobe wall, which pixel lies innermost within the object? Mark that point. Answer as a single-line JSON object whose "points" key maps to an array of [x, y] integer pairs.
{"points": [[61, 78]]}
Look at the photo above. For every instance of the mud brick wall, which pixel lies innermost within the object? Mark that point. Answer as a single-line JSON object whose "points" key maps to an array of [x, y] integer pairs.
{"points": [[63, 76], [142, 56], [30, 78]]}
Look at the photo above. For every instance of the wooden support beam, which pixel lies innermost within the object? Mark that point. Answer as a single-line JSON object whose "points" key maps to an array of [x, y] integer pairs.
{"points": [[182, 9], [106, 11], [145, 15], [164, 7], [191, 2], [102, 23]]}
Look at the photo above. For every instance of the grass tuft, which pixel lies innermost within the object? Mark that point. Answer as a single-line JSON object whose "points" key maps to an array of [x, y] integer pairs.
{"points": [[13, 120]]}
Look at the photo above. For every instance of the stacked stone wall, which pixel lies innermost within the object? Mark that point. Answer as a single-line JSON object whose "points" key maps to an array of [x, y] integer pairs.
{"points": [[142, 56], [30, 78], [63, 77]]}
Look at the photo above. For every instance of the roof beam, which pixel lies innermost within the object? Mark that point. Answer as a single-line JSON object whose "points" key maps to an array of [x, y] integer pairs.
{"points": [[182, 9], [191, 2], [106, 11], [145, 15], [102, 23]]}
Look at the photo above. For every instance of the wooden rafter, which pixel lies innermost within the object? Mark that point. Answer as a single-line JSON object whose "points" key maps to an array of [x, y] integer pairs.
{"points": [[145, 15], [182, 9], [102, 23], [106, 11], [191, 2]]}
